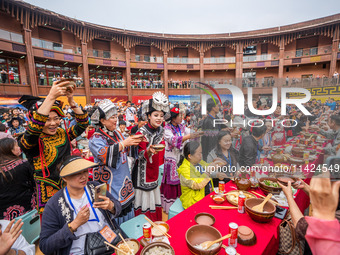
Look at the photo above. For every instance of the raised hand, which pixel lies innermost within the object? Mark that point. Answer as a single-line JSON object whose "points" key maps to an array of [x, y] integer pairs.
{"points": [[10, 235]]}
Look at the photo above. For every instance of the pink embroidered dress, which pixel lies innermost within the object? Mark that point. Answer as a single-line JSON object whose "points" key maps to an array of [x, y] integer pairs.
{"points": [[171, 188]]}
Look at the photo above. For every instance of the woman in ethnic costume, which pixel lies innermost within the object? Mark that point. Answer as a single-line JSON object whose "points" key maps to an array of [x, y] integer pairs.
{"points": [[175, 135], [146, 170], [110, 149], [16, 181], [44, 142]]}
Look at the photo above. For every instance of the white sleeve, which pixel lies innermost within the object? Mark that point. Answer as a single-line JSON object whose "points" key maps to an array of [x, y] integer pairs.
{"points": [[23, 245], [20, 243]]}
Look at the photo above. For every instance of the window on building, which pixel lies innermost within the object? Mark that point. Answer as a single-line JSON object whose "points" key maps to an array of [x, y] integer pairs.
{"points": [[146, 58], [145, 75], [299, 53], [48, 73], [313, 51], [9, 69], [106, 54], [250, 50], [96, 53], [105, 77], [249, 78]]}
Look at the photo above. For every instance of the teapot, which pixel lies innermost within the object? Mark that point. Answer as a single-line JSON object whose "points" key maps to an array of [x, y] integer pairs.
{"points": [[242, 182]]}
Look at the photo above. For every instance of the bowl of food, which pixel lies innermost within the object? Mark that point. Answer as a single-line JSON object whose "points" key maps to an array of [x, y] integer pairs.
{"points": [[205, 219], [261, 217], [218, 199], [161, 226], [246, 236], [298, 151], [158, 248], [133, 246], [158, 147], [198, 234], [269, 185], [232, 196]]}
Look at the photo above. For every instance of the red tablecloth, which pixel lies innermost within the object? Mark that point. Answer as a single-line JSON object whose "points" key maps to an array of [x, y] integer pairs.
{"points": [[266, 233]]}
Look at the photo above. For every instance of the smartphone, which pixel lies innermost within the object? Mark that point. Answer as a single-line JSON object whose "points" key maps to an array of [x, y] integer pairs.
{"points": [[100, 190]]}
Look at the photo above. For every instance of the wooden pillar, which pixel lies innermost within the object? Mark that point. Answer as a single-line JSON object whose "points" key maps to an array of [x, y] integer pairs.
{"points": [[165, 73], [239, 64], [201, 66], [32, 77], [128, 73], [281, 61], [86, 76], [335, 47]]}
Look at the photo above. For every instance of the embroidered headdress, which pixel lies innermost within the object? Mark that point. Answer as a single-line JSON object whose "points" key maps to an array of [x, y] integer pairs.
{"points": [[159, 102], [105, 110]]}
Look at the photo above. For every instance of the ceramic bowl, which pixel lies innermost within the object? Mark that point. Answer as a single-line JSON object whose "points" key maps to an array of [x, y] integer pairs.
{"points": [[298, 151], [200, 233], [158, 147], [246, 236], [261, 217], [218, 199], [161, 223], [205, 219], [268, 189], [128, 240], [151, 246]]}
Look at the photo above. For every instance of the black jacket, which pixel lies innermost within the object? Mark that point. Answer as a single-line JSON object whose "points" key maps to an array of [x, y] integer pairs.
{"points": [[248, 151]]}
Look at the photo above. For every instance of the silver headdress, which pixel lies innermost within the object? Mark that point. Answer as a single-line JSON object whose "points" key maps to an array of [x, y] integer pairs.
{"points": [[107, 107], [159, 102]]}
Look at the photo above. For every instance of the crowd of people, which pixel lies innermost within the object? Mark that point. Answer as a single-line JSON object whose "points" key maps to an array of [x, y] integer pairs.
{"points": [[107, 83], [54, 157]]}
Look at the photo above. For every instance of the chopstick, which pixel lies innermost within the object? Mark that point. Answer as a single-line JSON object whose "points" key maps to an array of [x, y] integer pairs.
{"points": [[156, 226], [270, 200], [116, 248], [121, 237], [222, 207]]}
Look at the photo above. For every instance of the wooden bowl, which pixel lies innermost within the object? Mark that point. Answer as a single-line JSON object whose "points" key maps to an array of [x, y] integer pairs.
{"points": [[200, 233], [205, 219], [155, 232], [157, 244], [285, 179], [268, 189], [261, 217], [298, 151], [296, 160], [71, 83], [218, 199], [128, 240], [246, 236]]}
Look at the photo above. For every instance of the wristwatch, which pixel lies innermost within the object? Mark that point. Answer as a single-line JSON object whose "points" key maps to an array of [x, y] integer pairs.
{"points": [[74, 106]]}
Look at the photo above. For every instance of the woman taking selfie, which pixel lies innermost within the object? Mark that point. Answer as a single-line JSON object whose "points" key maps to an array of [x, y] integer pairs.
{"points": [[72, 212]]}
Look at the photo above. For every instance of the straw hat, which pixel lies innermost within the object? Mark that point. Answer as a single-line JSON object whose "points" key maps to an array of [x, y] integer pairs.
{"points": [[75, 164]]}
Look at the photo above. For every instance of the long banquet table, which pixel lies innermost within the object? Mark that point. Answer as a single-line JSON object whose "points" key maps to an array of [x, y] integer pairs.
{"points": [[267, 233]]}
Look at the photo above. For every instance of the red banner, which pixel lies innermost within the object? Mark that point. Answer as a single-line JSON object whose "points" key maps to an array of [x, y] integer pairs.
{"points": [[114, 99], [140, 99]]}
